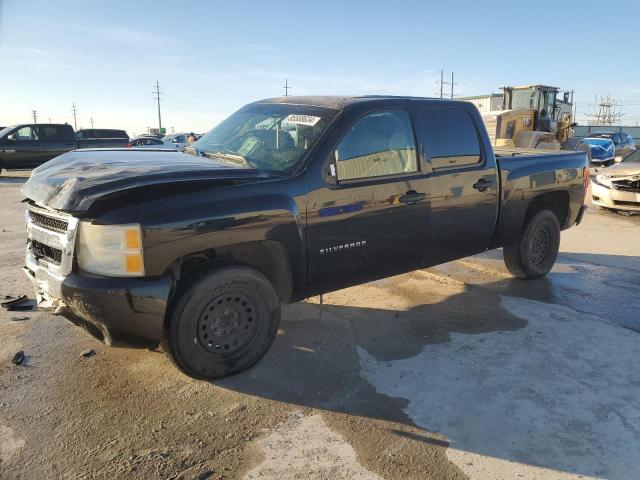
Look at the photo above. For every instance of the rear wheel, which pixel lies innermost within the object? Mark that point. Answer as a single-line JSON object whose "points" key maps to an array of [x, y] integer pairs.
{"points": [[223, 323], [533, 254]]}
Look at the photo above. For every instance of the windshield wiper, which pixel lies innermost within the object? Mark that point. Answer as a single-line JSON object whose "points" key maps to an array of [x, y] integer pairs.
{"points": [[229, 157]]}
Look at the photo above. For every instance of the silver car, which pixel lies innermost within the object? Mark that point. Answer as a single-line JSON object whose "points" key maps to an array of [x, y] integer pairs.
{"points": [[618, 187]]}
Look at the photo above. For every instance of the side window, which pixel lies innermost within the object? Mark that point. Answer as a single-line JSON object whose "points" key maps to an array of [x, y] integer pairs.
{"points": [[27, 134], [381, 143], [451, 139], [50, 134], [616, 138]]}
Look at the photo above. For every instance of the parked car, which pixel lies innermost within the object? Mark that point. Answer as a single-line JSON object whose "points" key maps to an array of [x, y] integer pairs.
{"points": [[29, 145], [103, 138], [603, 152], [618, 187], [624, 143], [146, 141], [176, 140], [171, 142], [287, 198]]}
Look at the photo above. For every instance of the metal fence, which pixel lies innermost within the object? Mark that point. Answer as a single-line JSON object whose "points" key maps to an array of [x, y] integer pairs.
{"points": [[583, 130]]}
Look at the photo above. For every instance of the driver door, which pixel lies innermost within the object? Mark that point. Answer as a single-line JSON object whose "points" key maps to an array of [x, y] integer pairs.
{"points": [[24, 150], [371, 220]]}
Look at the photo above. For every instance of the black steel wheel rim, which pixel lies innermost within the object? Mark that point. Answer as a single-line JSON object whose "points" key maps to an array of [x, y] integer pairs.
{"points": [[540, 245], [227, 324]]}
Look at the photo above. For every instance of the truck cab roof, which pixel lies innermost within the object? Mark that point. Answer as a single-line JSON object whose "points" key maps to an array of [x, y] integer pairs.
{"points": [[338, 102]]}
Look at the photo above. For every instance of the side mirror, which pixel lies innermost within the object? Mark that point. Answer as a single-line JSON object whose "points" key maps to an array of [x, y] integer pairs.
{"points": [[12, 137], [566, 97]]}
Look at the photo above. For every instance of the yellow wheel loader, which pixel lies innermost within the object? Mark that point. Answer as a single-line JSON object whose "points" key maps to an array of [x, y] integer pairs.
{"points": [[531, 117]]}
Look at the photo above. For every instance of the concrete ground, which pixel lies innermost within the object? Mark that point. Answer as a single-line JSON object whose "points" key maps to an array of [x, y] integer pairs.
{"points": [[454, 372]]}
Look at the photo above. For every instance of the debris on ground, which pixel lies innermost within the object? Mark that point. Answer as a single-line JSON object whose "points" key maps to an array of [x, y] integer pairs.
{"points": [[18, 358], [19, 319], [19, 303], [88, 353]]}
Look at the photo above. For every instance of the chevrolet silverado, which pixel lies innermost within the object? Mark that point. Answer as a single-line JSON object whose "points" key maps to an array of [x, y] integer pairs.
{"points": [[287, 198]]}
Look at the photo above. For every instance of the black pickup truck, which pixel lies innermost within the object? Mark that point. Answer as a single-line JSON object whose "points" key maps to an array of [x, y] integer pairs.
{"points": [[29, 144], [287, 198]]}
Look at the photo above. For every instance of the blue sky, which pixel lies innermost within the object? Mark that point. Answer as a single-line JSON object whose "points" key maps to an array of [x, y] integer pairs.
{"points": [[213, 57]]}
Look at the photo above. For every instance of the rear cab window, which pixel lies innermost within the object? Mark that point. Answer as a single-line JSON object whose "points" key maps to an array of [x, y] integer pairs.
{"points": [[450, 138]]}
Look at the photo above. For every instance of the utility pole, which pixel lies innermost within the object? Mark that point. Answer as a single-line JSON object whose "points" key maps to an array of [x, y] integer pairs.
{"points": [[286, 87], [91, 122], [443, 83], [75, 111], [157, 93], [452, 84], [35, 116], [50, 120]]}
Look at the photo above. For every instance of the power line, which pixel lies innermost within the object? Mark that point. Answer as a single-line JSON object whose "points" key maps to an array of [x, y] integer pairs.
{"points": [[157, 93], [286, 87], [75, 111], [35, 116], [608, 114]]}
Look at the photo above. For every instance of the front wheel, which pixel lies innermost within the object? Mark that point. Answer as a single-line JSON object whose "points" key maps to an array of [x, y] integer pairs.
{"points": [[534, 252], [223, 323]]}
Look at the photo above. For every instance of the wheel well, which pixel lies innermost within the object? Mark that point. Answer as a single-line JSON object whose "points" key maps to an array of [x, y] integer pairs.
{"points": [[268, 257], [557, 202]]}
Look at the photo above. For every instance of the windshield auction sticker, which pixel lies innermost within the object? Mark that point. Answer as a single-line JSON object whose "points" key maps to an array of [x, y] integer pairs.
{"points": [[302, 119]]}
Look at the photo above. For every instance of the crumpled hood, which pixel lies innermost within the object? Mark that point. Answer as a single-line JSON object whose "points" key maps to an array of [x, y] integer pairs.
{"points": [[74, 181], [622, 169]]}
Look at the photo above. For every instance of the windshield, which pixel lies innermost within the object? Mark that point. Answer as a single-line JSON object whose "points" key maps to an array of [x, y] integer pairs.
{"points": [[600, 142], [271, 137], [5, 131], [526, 98], [633, 157]]}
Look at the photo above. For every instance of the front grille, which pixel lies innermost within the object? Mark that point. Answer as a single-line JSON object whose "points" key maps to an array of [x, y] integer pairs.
{"points": [[52, 223], [40, 250], [627, 185]]}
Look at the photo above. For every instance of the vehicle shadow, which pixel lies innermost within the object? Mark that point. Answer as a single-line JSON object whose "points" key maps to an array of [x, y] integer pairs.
{"points": [[501, 370]]}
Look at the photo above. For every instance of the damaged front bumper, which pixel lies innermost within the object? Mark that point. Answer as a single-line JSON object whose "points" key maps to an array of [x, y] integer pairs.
{"points": [[615, 199], [118, 311]]}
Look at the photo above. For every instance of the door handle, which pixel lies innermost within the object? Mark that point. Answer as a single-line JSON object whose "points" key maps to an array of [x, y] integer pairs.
{"points": [[482, 184], [411, 198]]}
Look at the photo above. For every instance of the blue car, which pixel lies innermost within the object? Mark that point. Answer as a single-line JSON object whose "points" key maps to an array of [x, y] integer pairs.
{"points": [[603, 151]]}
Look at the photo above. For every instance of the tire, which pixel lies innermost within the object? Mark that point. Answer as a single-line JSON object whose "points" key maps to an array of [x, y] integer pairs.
{"points": [[223, 323], [533, 254]]}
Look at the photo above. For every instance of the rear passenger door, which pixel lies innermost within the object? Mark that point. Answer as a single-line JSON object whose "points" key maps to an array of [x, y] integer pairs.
{"points": [[53, 142], [462, 183], [368, 218]]}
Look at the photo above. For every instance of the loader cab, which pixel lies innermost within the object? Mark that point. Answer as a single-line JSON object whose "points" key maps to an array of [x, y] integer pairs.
{"points": [[540, 99]]}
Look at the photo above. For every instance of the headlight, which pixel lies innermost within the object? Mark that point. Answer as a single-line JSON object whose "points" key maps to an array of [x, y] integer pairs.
{"points": [[604, 180], [114, 250]]}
